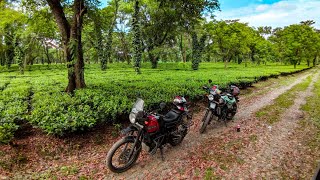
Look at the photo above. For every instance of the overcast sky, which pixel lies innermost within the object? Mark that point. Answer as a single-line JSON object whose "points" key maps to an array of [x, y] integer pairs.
{"points": [[275, 13]]}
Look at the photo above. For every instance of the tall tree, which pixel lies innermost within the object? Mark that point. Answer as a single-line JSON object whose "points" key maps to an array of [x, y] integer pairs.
{"points": [[137, 37], [299, 43], [197, 48], [163, 20], [110, 32], [12, 25], [71, 38]]}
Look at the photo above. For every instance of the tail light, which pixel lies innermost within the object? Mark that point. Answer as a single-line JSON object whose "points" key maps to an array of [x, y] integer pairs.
{"points": [[214, 87]]}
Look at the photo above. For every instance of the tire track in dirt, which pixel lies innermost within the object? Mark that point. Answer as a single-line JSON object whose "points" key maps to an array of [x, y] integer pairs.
{"points": [[152, 167], [278, 152]]}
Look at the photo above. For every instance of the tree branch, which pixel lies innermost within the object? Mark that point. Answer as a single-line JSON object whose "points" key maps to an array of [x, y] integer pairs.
{"points": [[58, 13]]}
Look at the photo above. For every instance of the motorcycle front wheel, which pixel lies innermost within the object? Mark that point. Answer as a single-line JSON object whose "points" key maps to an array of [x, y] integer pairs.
{"points": [[205, 121], [119, 159]]}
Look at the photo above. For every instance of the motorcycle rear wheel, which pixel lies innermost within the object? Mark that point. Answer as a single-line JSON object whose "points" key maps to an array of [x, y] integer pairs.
{"points": [[119, 154], [234, 111], [205, 121]]}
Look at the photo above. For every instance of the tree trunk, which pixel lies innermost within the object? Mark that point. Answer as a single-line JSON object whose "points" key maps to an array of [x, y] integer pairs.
{"points": [[137, 38], [195, 60], [46, 51], [153, 59], [110, 33], [71, 38], [183, 50], [225, 63], [76, 70], [9, 53], [314, 61], [125, 47]]}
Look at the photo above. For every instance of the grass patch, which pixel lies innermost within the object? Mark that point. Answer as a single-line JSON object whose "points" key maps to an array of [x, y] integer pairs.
{"points": [[47, 174], [69, 170], [18, 159], [312, 108], [272, 113], [209, 174], [253, 138]]}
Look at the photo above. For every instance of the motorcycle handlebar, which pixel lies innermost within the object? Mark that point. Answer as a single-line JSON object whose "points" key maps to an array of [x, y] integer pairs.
{"points": [[205, 87]]}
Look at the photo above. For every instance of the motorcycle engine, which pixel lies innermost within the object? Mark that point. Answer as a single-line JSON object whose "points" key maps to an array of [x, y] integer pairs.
{"points": [[177, 136]]}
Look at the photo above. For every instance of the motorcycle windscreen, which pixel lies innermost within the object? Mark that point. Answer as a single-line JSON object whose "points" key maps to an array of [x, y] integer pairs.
{"points": [[137, 107]]}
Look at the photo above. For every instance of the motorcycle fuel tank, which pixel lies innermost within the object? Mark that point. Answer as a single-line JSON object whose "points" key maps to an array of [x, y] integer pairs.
{"points": [[152, 124]]}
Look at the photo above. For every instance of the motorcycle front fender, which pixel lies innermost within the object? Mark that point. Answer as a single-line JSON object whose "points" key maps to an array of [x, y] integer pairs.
{"points": [[130, 138], [129, 129]]}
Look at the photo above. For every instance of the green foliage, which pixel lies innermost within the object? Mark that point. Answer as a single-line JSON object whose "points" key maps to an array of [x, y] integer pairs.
{"points": [[209, 174], [296, 43], [160, 31], [7, 130], [312, 107], [13, 107], [39, 96], [69, 170]]}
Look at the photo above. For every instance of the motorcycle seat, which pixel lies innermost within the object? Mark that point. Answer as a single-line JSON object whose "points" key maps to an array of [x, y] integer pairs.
{"points": [[171, 116]]}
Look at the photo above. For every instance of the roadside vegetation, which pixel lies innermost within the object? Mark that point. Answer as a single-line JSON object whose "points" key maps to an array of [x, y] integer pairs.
{"points": [[312, 123], [38, 96]]}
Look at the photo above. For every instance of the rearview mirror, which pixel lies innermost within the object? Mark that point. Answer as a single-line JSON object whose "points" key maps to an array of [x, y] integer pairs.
{"points": [[162, 105]]}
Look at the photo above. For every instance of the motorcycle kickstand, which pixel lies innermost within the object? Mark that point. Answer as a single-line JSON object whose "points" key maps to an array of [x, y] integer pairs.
{"points": [[161, 152]]}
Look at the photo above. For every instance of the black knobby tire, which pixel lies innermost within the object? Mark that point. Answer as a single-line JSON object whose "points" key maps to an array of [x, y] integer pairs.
{"points": [[205, 121], [116, 147]]}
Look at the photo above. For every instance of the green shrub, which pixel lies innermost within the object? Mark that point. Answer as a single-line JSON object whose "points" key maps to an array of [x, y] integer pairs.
{"points": [[109, 93], [7, 130], [13, 108]]}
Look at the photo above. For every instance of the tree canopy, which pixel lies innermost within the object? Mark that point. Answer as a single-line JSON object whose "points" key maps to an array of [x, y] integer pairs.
{"points": [[142, 31]]}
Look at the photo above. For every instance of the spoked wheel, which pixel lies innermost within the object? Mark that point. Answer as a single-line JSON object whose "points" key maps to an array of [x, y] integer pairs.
{"points": [[119, 158], [224, 115], [205, 121], [234, 111]]}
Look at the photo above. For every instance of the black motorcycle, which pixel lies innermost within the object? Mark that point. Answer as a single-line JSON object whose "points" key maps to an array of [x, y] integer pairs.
{"points": [[222, 105], [152, 129]]}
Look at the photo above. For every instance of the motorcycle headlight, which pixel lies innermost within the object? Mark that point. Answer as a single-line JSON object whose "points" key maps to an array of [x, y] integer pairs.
{"points": [[132, 118], [210, 97]]}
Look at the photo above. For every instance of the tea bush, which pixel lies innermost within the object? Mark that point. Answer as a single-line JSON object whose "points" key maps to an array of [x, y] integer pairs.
{"points": [[39, 96], [13, 107]]}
